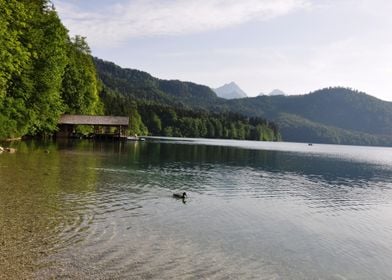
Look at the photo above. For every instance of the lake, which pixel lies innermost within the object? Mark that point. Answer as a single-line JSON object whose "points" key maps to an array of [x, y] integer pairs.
{"points": [[256, 210]]}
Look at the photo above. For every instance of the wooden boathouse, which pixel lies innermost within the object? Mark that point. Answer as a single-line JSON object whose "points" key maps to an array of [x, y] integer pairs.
{"points": [[103, 125]]}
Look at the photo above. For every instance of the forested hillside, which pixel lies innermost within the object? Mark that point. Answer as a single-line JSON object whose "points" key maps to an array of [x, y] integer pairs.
{"points": [[142, 86], [331, 115], [175, 108], [157, 118], [340, 107], [43, 72]]}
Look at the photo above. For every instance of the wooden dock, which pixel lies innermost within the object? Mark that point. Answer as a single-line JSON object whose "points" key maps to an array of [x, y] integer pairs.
{"points": [[102, 126]]}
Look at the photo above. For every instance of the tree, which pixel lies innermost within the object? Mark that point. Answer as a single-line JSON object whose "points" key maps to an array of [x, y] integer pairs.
{"points": [[136, 126], [80, 84], [49, 39], [168, 131], [32, 62], [14, 58], [210, 129], [154, 124], [218, 128]]}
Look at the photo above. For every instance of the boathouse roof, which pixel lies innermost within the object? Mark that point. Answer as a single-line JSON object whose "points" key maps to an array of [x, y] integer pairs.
{"points": [[94, 120]]}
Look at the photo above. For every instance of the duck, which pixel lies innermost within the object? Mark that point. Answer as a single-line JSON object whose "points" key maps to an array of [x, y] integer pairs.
{"points": [[178, 195]]}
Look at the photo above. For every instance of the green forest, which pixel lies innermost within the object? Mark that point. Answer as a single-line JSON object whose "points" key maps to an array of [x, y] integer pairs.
{"points": [[158, 119], [45, 73]]}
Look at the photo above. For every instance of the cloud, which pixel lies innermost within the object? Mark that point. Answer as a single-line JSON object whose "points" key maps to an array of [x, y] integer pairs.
{"points": [[295, 69], [145, 18]]}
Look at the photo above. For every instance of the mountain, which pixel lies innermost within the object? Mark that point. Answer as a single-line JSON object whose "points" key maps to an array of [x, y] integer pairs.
{"points": [[276, 92], [344, 116], [174, 108], [339, 107], [141, 85], [332, 115], [230, 91]]}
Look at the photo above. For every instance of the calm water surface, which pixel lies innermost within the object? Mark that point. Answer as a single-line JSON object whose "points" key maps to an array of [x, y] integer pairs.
{"points": [[91, 210]]}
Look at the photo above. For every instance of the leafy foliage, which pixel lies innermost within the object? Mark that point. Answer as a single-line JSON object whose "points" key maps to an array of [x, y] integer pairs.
{"points": [[42, 72], [80, 85], [48, 38], [15, 56]]}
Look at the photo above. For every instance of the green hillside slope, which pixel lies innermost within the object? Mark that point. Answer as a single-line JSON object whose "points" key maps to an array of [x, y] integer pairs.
{"points": [[141, 85], [298, 129], [340, 107], [331, 115]]}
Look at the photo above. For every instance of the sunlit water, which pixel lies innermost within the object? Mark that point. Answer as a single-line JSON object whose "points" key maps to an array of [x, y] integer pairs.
{"points": [[92, 210]]}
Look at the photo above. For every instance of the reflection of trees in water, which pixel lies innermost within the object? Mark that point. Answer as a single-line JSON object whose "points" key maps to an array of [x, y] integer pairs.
{"points": [[161, 153], [329, 169], [33, 213], [332, 181]]}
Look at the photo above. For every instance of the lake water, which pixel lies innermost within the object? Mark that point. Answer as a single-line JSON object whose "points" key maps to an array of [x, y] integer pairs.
{"points": [[94, 210]]}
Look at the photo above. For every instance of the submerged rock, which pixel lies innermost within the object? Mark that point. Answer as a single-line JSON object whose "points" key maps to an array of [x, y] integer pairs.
{"points": [[10, 150]]}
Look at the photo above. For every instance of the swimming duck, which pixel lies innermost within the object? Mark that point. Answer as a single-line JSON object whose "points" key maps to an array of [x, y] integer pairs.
{"points": [[178, 195]]}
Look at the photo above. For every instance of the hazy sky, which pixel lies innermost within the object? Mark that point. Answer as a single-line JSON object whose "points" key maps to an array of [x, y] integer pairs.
{"points": [[295, 45]]}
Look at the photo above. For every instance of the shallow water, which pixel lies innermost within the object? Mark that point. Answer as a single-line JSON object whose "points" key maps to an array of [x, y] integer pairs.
{"points": [[93, 210]]}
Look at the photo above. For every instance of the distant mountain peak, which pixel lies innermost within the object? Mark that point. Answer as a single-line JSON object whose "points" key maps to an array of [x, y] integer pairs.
{"points": [[276, 92], [230, 91]]}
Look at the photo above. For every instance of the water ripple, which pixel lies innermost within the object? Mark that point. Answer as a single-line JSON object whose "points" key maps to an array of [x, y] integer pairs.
{"points": [[250, 214]]}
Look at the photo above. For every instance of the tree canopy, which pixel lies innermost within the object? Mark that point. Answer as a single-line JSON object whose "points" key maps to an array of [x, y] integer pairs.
{"points": [[43, 73]]}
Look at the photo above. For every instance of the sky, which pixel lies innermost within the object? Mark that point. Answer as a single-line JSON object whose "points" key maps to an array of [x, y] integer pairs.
{"points": [[297, 46]]}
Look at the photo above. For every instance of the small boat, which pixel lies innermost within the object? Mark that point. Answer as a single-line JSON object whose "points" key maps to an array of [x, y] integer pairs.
{"points": [[135, 138], [132, 138]]}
